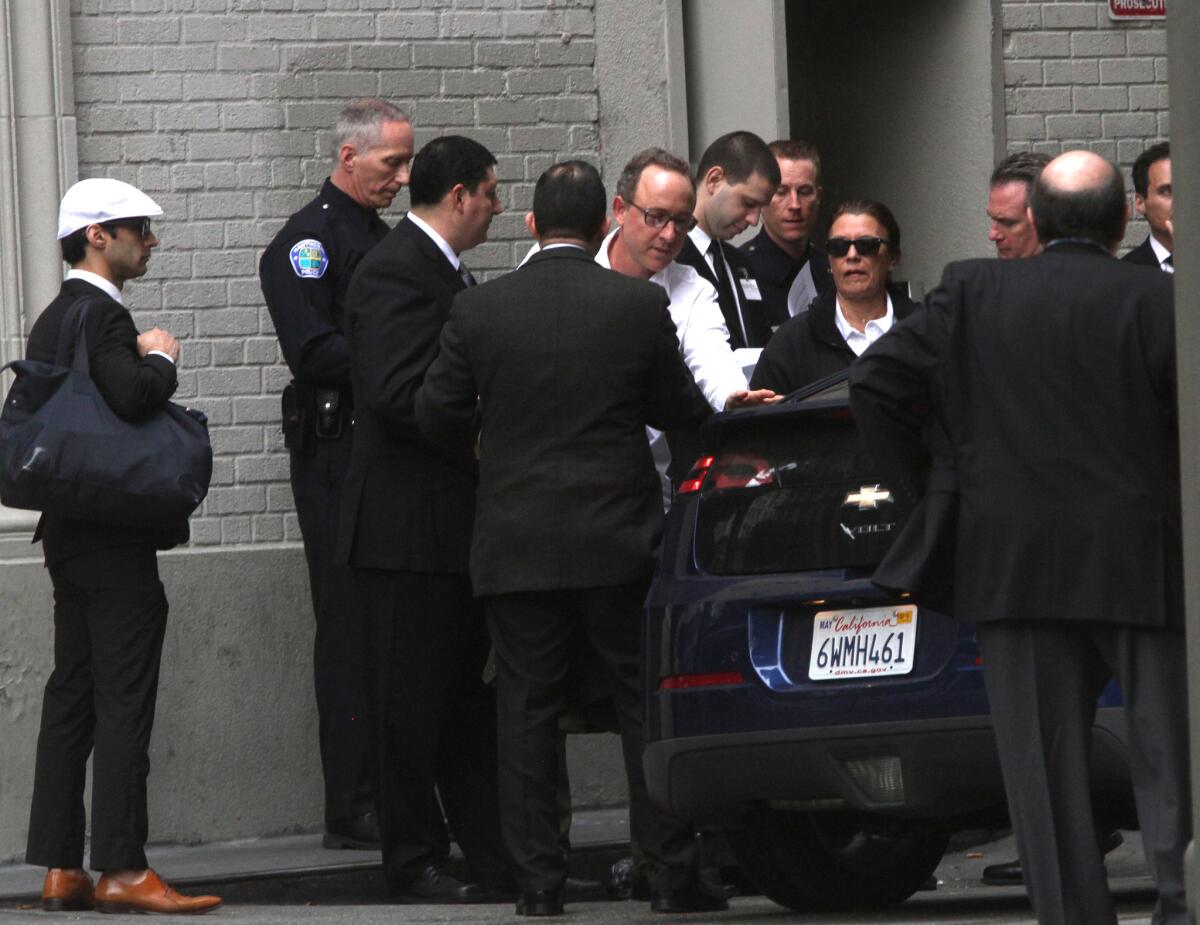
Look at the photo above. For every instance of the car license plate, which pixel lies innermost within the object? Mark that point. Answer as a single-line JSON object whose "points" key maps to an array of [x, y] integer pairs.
{"points": [[863, 643]]}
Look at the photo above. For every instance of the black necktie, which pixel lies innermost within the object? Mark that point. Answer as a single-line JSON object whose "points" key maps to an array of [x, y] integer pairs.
{"points": [[725, 295], [1169, 261], [467, 278]]}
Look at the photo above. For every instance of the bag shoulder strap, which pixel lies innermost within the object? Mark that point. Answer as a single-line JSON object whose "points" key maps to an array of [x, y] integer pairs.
{"points": [[72, 329]]}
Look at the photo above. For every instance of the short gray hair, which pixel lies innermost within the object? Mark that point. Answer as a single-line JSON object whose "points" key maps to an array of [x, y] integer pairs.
{"points": [[359, 123]]}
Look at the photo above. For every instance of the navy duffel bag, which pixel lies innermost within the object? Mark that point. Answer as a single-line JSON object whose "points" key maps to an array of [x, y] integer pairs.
{"points": [[64, 451]]}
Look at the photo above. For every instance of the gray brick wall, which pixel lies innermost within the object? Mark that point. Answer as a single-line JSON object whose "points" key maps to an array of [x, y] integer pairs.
{"points": [[1073, 78], [222, 109]]}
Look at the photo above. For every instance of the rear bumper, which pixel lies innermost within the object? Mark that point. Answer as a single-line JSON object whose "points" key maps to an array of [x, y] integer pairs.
{"points": [[949, 767]]}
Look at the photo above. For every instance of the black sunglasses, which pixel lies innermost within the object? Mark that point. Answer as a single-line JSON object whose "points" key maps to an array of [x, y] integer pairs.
{"points": [[139, 225], [866, 247]]}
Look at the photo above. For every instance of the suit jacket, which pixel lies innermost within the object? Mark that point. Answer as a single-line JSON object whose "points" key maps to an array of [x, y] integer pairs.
{"points": [[570, 362], [1143, 255], [134, 387], [407, 504], [757, 326], [809, 346], [1054, 380]]}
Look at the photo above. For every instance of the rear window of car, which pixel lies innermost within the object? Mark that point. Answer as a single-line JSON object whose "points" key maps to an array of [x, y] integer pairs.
{"points": [[799, 494]]}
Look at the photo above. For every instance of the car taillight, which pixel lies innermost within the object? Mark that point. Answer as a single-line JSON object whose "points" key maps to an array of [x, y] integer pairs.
{"points": [[681, 681], [695, 478], [742, 470]]}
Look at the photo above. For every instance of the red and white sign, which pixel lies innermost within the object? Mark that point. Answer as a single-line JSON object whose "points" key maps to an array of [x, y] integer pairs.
{"points": [[1137, 9]]}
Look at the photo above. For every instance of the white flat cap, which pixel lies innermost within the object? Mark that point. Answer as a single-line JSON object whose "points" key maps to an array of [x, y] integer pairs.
{"points": [[95, 201]]}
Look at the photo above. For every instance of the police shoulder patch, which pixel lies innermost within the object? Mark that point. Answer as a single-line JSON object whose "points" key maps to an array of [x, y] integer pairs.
{"points": [[309, 260]]}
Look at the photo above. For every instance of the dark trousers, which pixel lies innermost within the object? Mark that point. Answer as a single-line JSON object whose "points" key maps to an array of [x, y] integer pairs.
{"points": [[340, 646], [433, 723], [1043, 679], [110, 614], [532, 635]]}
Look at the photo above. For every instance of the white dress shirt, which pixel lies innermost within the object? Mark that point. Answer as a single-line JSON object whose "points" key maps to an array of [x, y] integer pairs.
{"points": [[437, 239], [700, 326], [857, 340], [1162, 254]]}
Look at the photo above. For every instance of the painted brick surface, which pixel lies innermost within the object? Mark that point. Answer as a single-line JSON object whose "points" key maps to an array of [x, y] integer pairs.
{"points": [[1073, 78], [222, 110]]}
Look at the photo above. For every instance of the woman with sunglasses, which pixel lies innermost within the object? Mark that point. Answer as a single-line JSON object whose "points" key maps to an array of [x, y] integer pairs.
{"points": [[864, 249]]}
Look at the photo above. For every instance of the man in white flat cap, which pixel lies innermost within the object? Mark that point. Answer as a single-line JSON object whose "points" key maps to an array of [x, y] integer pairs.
{"points": [[110, 611]]}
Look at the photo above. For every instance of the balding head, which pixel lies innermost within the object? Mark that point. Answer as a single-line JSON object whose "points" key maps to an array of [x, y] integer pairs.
{"points": [[1080, 195]]}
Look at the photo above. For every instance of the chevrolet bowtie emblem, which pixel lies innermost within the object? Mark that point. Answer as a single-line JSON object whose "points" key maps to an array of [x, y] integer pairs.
{"points": [[868, 497]]}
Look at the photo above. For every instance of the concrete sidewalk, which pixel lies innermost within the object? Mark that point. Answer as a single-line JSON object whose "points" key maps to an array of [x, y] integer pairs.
{"points": [[296, 864], [292, 880]]}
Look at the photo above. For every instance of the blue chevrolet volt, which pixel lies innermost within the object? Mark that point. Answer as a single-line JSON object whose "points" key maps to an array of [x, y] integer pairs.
{"points": [[839, 734]]}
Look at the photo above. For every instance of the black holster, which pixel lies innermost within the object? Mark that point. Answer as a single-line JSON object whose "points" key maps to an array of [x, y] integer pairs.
{"points": [[299, 414]]}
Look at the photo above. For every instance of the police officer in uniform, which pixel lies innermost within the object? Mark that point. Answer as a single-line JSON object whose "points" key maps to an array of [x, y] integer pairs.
{"points": [[305, 274]]}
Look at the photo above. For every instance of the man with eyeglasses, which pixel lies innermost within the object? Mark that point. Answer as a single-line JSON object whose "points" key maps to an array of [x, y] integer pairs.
{"points": [[653, 207], [110, 612]]}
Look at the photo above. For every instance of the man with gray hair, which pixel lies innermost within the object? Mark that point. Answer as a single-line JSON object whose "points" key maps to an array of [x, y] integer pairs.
{"points": [[305, 274]]}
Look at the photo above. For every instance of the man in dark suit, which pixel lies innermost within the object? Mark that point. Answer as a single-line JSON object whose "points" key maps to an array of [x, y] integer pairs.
{"points": [[1053, 380], [1152, 198], [305, 274], [406, 529], [110, 612], [569, 515], [791, 271], [1012, 230], [736, 179]]}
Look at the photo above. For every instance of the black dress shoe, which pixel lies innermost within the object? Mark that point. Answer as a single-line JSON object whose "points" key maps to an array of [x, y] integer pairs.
{"points": [[578, 890], [434, 886], [691, 899], [709, 880], [1007, 874], [628, 881], [540, 902], [361, 832]]}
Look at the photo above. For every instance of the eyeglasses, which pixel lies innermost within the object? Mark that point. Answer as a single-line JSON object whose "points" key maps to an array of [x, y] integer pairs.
{"points": [[866, 247], [658, 218], [139, 225]]}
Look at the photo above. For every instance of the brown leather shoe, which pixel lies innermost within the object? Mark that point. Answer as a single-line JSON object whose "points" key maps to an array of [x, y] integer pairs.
{"points": [[67, 890], [148, 894]]}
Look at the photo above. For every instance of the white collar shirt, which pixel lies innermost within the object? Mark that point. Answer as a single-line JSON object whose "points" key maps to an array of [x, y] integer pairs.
{"points": [[858, 341], [1162, 255], [98, 281], [703, 241], [437, 239]]}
